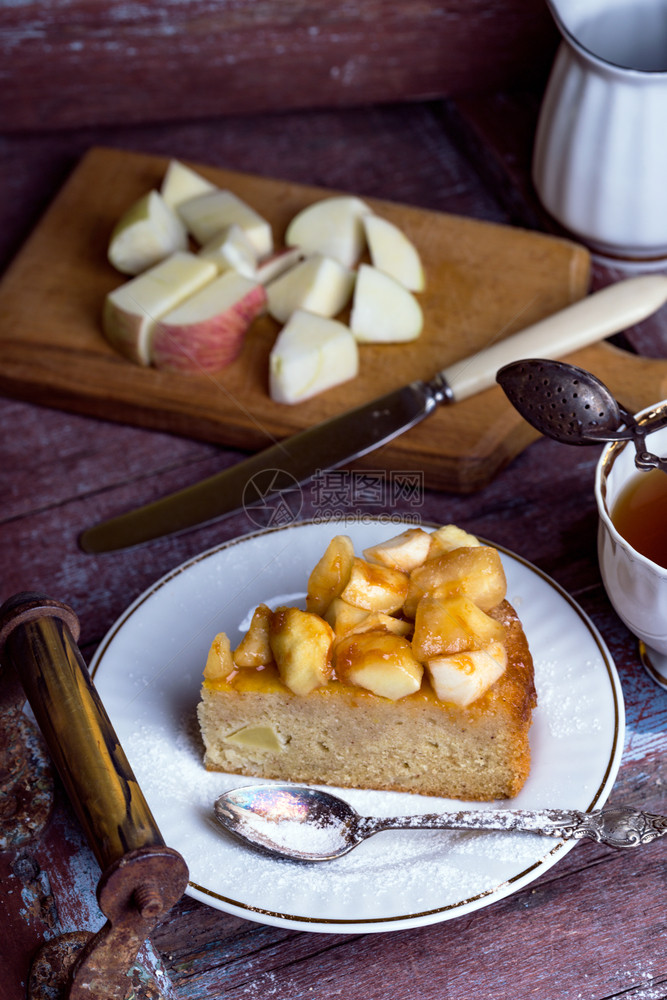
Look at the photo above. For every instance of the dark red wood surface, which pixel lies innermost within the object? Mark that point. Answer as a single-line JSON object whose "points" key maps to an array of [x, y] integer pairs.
{"points": [[593, 926], [92, 63]]}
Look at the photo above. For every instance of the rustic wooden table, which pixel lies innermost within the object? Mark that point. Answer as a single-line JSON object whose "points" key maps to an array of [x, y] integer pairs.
{"points": [[591, 927]]}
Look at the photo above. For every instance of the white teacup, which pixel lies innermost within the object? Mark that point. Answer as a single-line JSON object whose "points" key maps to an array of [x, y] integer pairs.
{"points": [[636, 586]]}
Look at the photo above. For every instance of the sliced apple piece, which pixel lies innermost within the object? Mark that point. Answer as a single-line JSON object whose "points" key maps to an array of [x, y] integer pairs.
{"points": [[404, 552], [345, 619], [181, 183], [208, 214], [332, 227], [383, 311], [301, 646], [378, 621], [449, 537], [375, 588], [272, 267], [464, 677], [392, 252], [131, 310], [343, 616], [231, 250], [381, 662], [317, 284], [254, 650], [219, 662], [145, 234], [452, 625], [311, 354], [330, 574], [206, 332], [475, 572]]}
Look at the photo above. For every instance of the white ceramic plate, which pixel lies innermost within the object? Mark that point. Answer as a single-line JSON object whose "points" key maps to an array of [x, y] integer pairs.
{"points": [[148, 673]]}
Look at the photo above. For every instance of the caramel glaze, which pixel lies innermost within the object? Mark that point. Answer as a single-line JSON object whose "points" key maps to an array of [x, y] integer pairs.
{"points": [[514, 690]]}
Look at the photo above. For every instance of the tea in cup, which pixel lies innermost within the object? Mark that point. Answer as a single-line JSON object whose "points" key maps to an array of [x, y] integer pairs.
{"points": [[632, 541]]}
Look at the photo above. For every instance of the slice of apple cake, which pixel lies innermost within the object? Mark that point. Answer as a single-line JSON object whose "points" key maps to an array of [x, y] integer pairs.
{"points": [[408, 670]]}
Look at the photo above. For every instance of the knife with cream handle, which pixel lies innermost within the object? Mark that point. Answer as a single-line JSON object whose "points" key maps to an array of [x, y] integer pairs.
{"points": [[355, 433], [591, 319]]}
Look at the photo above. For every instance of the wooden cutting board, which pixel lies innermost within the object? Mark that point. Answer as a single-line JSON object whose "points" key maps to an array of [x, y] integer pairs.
{"points": [[484, 281]]}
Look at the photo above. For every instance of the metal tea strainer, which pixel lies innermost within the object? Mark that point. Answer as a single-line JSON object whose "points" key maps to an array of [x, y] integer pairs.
{"points": [[572, 406]]}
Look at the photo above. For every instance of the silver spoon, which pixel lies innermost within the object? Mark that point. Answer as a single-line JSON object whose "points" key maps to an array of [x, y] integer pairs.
{"points": [[572, 406], [307, 824]]}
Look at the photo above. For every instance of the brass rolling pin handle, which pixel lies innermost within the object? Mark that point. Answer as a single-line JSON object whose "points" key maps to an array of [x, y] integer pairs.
{"points": [[142, 878]]}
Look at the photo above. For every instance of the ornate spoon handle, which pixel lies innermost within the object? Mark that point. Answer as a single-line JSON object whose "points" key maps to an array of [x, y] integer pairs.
{"points": [[617, 826], [620, 826]]}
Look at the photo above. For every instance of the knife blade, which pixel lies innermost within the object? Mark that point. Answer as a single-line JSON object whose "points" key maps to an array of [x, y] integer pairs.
{"points": [[357, 432]]}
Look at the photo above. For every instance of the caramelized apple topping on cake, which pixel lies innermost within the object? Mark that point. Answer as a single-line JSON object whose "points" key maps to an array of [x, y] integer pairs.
{"points": [[419, 604]]}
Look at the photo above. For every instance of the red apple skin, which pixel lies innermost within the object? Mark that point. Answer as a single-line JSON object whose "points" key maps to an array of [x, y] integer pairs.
{"points": [[211, 344]]}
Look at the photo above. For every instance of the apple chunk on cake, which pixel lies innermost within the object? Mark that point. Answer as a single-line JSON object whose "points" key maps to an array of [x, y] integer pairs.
{"points": [[301, 645], [379, 661]]}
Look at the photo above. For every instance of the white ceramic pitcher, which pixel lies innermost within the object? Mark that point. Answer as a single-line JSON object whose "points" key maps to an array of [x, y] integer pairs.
{"points": [[600, 156]]}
